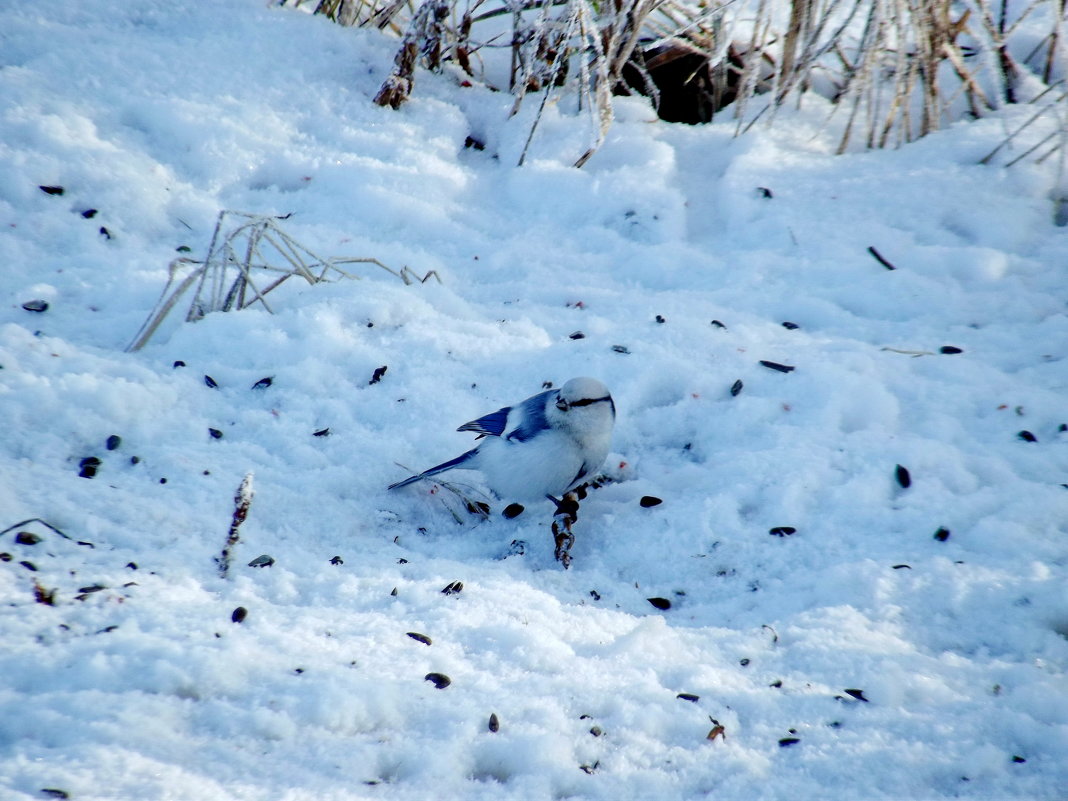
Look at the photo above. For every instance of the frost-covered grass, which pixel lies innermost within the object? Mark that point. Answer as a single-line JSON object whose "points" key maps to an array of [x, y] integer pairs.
{"points": [[159, 114]]}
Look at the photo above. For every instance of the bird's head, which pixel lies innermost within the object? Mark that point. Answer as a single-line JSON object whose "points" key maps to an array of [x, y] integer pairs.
{"points": [[583, 404]]}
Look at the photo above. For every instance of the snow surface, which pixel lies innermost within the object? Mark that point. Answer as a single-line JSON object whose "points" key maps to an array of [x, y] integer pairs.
{"points": [[160, 114]]}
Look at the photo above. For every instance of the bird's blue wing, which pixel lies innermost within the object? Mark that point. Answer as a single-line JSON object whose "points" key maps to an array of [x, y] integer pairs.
{"points": [[492, 424], [531, 418]]}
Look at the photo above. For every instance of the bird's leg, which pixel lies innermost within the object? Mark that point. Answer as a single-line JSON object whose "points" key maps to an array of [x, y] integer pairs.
{"points": [[566, 515]]}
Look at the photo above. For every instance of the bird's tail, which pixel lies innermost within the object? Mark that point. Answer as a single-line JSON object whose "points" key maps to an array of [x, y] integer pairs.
{"points": [[441, 468]]}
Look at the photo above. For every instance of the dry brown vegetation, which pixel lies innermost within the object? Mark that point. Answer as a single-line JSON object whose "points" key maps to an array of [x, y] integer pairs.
{"points": [[893, 70]]}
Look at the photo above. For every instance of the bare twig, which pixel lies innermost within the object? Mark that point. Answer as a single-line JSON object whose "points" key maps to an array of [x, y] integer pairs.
{"points": [[242, 502]]}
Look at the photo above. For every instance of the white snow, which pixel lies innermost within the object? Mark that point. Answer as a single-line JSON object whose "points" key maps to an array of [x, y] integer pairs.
{"points": [[160, 114]]}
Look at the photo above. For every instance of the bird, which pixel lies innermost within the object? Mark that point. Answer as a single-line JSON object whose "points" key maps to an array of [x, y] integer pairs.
{"points": [[541, 447]]}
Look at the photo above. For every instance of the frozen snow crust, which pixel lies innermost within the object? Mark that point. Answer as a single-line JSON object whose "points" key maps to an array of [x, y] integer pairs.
{"points": [[159, 114]]}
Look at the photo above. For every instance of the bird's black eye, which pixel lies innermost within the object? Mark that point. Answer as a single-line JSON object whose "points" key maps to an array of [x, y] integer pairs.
{"points": [[562, 404]]}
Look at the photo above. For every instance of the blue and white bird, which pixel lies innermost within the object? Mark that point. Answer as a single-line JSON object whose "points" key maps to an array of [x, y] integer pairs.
{"points": [[544, 446]]}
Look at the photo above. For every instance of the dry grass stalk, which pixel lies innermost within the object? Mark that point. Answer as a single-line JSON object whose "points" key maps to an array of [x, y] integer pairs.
{"points": [[255, 248]]}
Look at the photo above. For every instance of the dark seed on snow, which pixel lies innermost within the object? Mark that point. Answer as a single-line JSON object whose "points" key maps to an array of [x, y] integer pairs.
{"points": [[337, 560], [52, 190], [512, 510], [649, 500], [27, 538], [393, 592], [376, 376], [177, 364], [660, 603], [621, 349], [52, 792], [439, 680], [322, 432], [900, 567], [718, 324], [419, 637], [453, 588], [494, 723], [211, 382], [262, 561], [950, 349], [903, 477], [788, 741], [1027, 436], [576, 335], [782, 368], [790, 326], [596, 731], [660, 318], [92, 588], [736, 387], [239, 614], [595, 595], [765, 192], [29, 566], [5, 557], [215, 433], [35, 305], [263, 383], [858, 694], [113, 442], [942, 534], [744, 662], [1018, 759], [693, 699], [89, 213], [782, 531], [104, 232]]}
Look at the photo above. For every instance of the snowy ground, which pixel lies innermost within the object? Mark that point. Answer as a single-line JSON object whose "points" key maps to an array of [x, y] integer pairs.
{"points": [[160, 114]]}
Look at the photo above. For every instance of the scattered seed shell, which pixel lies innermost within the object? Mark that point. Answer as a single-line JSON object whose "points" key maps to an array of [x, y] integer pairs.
{"points": [[693, 699], [439, 680], [453, 588], [376, 376], [1027, 436], [790, 326], [415, 635], [211, 382], [648, 501], [113, 442], [337, 560], [718, 324], [35, 305], [89, 213], [736, 387], [942, 534], [512, 510], [215, 433], [902, 567], [660, 319], [782, 368], [782, 531], [717, 731], [903, 477], [788, 741], [494, 723], [53, 792], [621, 349], [27, 538], [858, 694], [239, 615], [263, 383], [660, 603], [52, 190], [322, 432], [949, 349], [262, 561], [576, 335]]}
